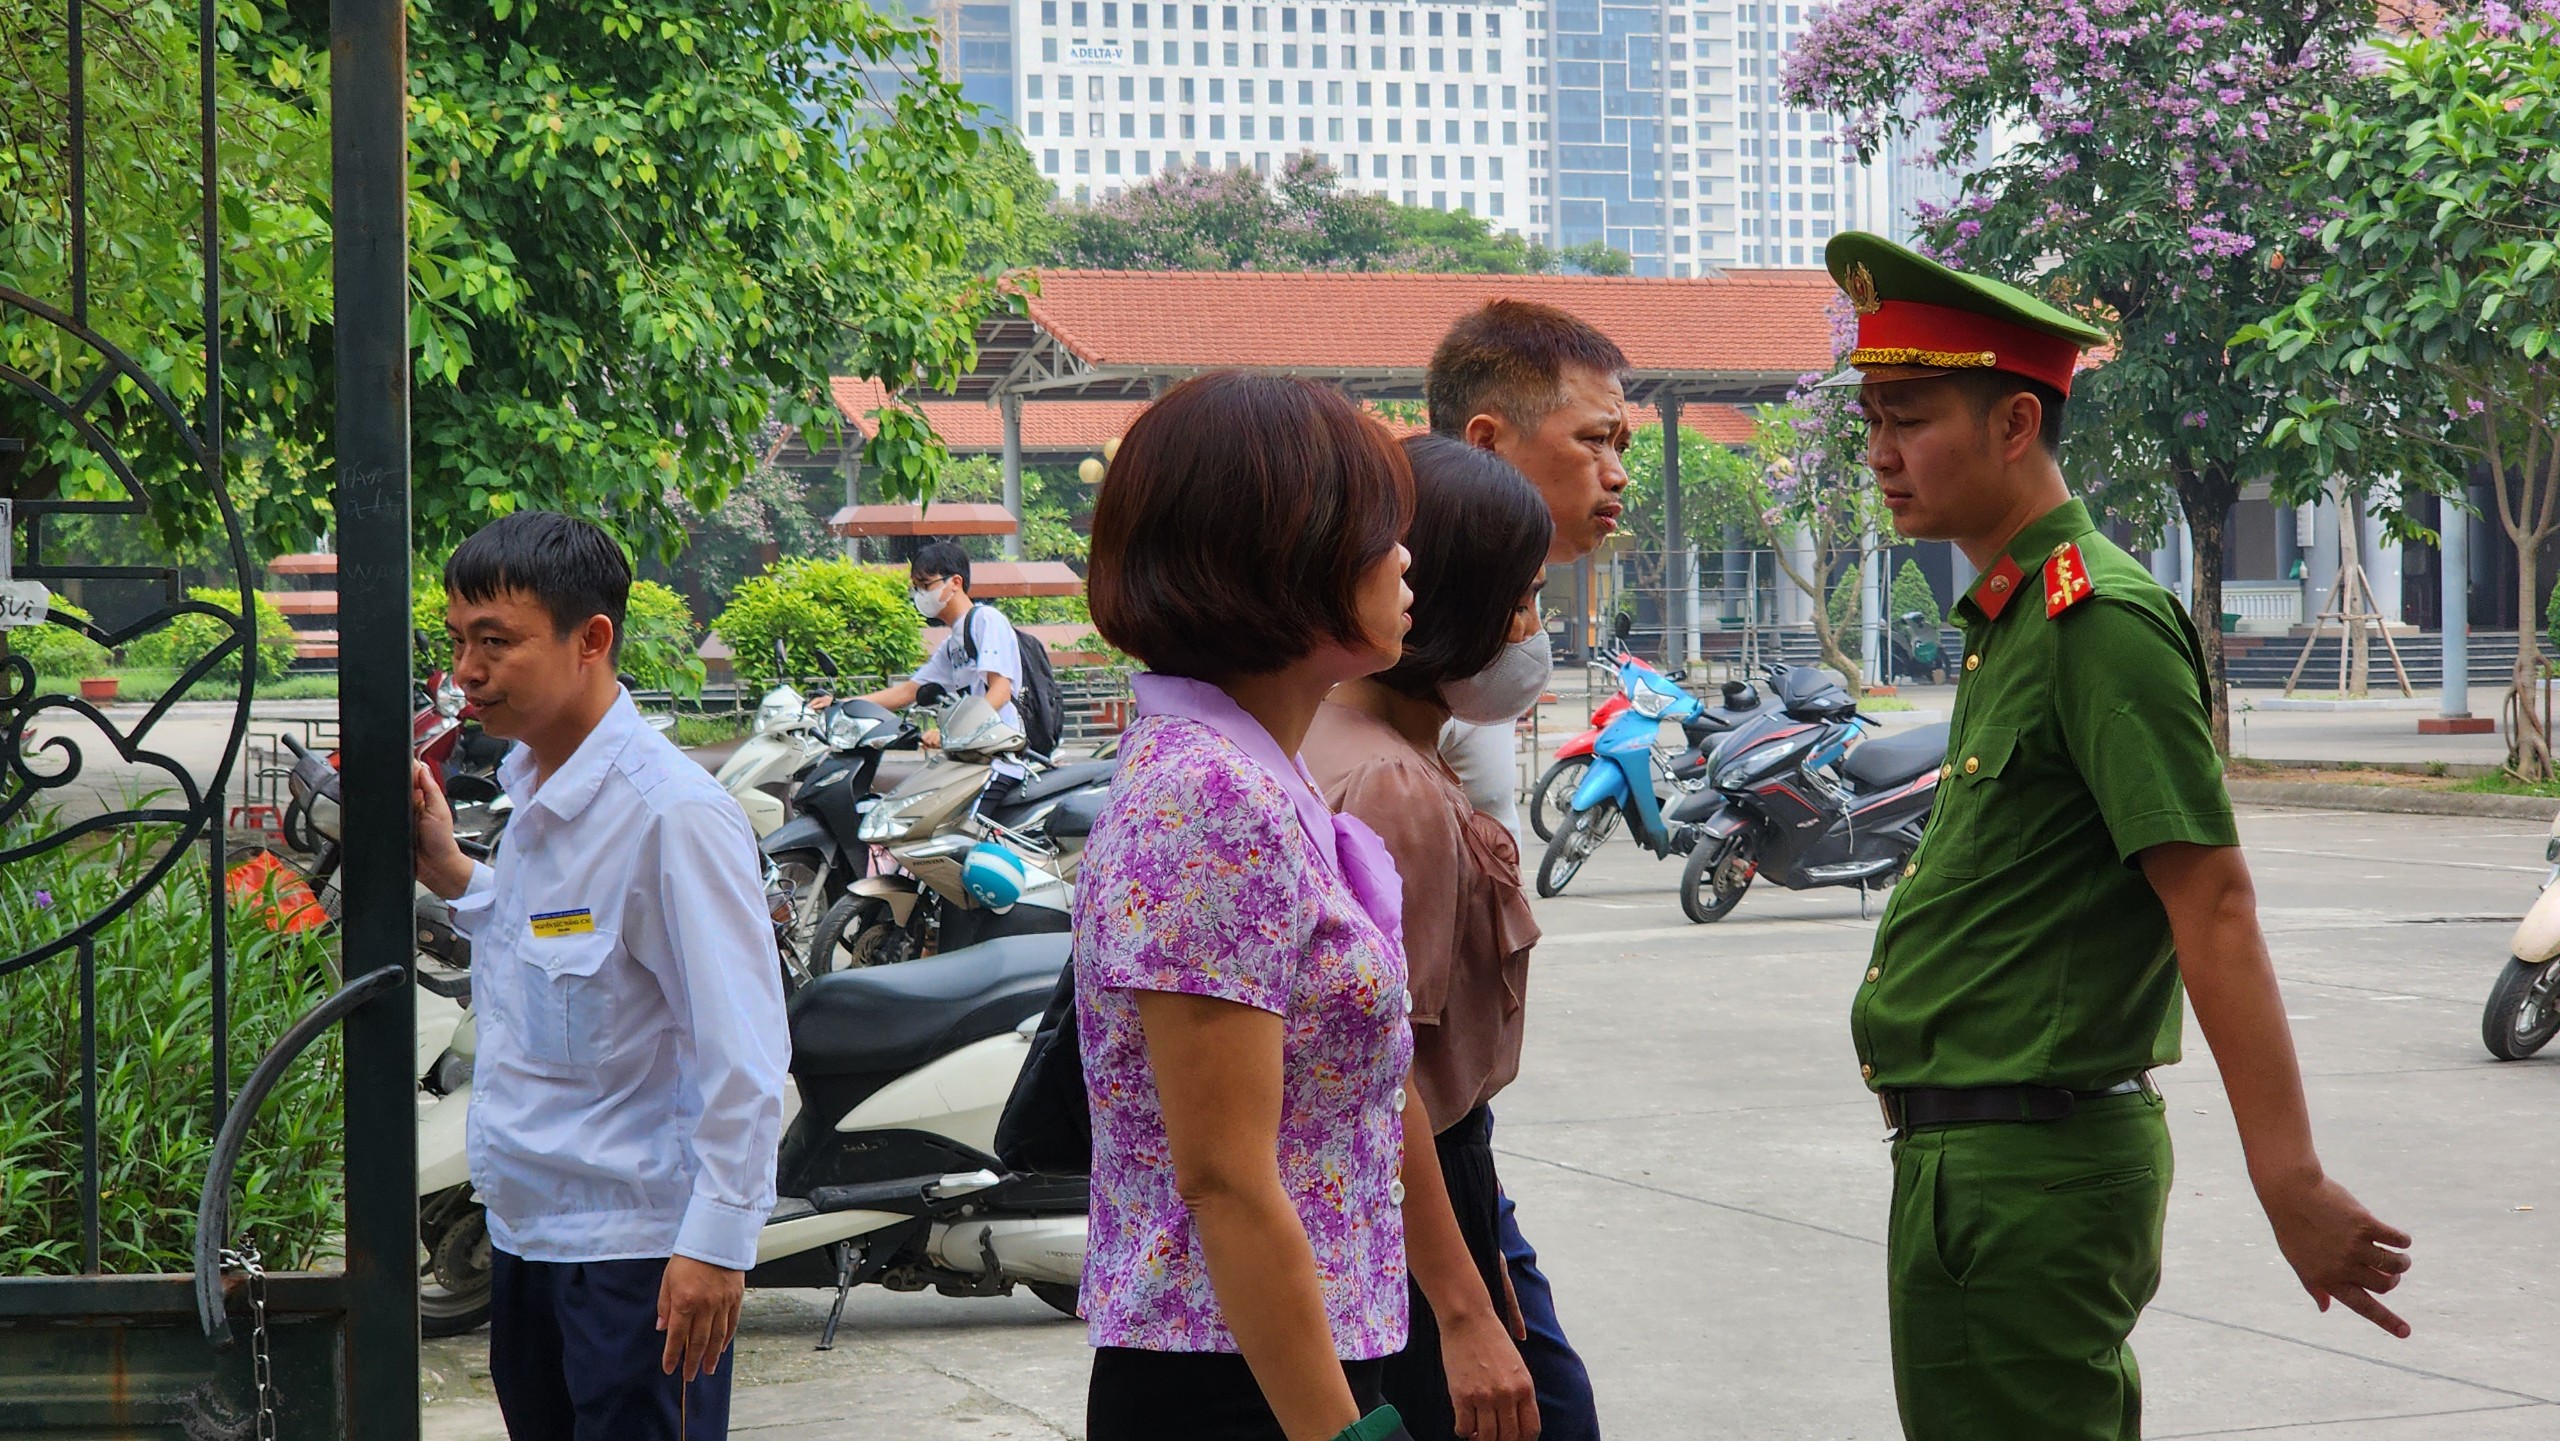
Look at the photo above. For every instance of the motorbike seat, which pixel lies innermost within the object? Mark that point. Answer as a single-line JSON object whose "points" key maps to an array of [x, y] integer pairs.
{"points": [[1048, 786], [897, 1017], [1074, 817], [1891, 760]]}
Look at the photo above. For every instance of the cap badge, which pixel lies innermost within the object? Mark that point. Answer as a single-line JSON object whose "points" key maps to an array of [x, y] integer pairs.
{"points": [[1862, 289]]}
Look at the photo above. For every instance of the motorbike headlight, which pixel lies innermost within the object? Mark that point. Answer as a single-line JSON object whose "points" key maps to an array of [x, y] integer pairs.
{"points": [[883, 822], [449, 698], [1649, 703], [781, 705], [845, 729]]}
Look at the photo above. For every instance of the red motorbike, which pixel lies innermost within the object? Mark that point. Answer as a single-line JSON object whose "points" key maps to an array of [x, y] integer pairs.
{"points": [[1551, 800]]}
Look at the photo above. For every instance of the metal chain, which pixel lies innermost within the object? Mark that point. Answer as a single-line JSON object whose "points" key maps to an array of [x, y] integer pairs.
{"points": [[247, 1261]]}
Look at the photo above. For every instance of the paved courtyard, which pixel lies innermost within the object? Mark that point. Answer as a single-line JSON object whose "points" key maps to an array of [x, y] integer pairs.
{"points": [[1694, 1155]]}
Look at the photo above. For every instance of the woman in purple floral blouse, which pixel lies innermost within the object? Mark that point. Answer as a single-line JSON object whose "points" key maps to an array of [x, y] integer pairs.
{"points": [[1259, 1180]]}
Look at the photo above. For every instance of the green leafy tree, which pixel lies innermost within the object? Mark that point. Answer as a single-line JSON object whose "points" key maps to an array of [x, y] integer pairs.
{"points": [[640, 231], [1817, 495], [2147, 189], [856, 613], [187, 638], [1912, 596], [1594, 257], [59, 649], [1027, 232], [2427, 339]]}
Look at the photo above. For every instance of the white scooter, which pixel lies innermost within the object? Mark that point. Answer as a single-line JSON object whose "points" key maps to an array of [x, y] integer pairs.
{"points": [[2524, 1006], [887, 1173], [787, 738]]}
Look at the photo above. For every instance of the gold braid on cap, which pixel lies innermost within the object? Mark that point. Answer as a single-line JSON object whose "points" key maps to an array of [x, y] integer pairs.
{"points": [[1865, 356]]}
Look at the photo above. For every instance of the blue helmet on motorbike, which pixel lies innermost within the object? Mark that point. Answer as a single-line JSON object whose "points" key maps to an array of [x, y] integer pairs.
{"points": [[994, 876]]}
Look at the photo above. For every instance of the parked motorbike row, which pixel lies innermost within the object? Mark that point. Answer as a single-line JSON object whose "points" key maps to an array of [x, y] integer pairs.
{"points": [[1786, 785]]}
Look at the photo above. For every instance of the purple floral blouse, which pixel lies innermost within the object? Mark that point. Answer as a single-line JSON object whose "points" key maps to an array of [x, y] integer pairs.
{"points": [[1202, 878]]}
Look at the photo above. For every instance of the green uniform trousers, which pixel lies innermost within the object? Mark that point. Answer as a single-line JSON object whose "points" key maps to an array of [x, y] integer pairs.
{"points": [[2020, 1254]]}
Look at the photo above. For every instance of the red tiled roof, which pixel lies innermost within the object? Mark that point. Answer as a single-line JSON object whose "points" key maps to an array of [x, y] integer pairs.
{"points": [[1722, 424], [1742, 321], [968, 427]]}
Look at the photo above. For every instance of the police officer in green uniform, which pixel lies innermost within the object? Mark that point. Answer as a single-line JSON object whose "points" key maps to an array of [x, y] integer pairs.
{"points": [[2080, 866]]}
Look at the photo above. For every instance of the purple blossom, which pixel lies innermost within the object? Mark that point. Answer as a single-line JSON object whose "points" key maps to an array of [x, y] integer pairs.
{"points": [[44, 900]]}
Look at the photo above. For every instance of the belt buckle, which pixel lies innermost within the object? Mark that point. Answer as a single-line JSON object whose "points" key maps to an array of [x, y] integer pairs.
{"points": [[1892, 1119]]}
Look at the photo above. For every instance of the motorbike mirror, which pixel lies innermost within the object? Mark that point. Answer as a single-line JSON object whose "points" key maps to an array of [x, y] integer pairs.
{"points": [[1676, 674], [826, 662], [1623, 624], [931, 693], [781, 657]]}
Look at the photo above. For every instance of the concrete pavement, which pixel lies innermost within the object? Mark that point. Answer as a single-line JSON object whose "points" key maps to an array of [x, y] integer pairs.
{"points": [[1694, 1156]]}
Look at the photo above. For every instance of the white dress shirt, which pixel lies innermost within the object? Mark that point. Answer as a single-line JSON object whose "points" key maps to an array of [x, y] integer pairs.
{"points": [[626, 1101]]}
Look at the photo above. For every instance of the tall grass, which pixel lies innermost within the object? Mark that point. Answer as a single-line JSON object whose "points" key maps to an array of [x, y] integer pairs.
{"points": [[156, 1117]]}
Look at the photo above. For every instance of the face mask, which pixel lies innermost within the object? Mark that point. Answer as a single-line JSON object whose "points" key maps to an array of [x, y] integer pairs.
{"points": [[1503, 691], [927, 600]]}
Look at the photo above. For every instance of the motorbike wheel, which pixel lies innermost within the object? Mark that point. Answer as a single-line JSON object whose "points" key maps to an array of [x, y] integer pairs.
{"points": [[1711, 885], [1551, 800], [1059, 1296], [2524, 1010], [453, 1275], [858, 931], [1573, 843]]}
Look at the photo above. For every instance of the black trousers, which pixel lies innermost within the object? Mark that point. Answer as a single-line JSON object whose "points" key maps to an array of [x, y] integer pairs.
{"points": [[574, 1351], [1192, 1396], [1415, 1382]]}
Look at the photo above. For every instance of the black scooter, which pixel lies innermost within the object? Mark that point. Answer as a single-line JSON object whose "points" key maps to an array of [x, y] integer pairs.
{"points": [[817, 855], [1794, 795]]}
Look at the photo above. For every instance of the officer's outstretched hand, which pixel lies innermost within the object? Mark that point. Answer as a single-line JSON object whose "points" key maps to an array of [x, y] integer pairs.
{"points": [[2341, 1251]]}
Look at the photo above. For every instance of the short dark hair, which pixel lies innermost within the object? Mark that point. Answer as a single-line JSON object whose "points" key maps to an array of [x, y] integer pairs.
{"points": [[1509, 358], [571, 566], [1987, 388], [1232, 530], [1479, 537], [936, 559]]}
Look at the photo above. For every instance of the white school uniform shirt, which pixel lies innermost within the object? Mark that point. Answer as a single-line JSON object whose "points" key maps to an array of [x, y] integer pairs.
{"points": [[626, 1099], [999, 653]]}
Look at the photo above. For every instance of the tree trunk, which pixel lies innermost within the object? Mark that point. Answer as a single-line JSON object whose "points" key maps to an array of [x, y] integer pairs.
{"points": [[1812, 585], [2206, 494], [2529, 509], [2528, 755]]}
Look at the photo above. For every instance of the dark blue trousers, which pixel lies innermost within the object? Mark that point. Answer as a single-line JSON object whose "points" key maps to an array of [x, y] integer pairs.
{"points": [[1566, 1411], [574, 1351]]}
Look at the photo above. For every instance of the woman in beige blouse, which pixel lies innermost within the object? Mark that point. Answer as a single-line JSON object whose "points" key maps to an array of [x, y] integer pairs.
{"points": [[1479, 543]]}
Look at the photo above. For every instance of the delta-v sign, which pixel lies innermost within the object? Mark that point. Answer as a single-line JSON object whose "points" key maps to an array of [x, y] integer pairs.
{"points": [[1103, 55]]}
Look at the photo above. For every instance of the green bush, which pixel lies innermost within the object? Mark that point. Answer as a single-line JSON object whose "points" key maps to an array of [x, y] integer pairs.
{"points": [[60, 654], [2551, 618], [858, 613], [154, 1016], [185, 640], [1911, 593], [426, 619]]}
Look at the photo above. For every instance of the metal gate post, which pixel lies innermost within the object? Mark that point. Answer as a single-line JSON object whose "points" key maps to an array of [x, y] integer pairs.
{"points": [[368, 50]]}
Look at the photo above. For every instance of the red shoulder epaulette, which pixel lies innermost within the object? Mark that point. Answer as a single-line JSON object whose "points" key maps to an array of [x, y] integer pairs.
{"points": [[1998, 584], [2066, 580]]}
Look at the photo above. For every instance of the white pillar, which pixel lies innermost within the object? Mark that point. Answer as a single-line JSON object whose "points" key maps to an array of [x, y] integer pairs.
{"points": [[1794, 606], [2320, 565], [1871, 659], [1011, 408], [2382, 567], [2455, 531]]}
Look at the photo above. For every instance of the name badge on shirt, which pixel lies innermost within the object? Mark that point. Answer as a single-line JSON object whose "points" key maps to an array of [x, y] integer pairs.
{"points": [[551, 925]]}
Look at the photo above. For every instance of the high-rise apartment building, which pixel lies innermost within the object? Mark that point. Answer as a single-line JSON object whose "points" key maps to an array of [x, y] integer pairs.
{"points": [[1653, 126]]}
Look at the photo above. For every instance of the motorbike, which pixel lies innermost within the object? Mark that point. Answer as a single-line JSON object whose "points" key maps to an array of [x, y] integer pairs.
{"points": [[963, 870], [2524, 1006], [785, 742], [818, 854], [1619, 782], [1550, 800], [1797, 796], [886, 1173]]}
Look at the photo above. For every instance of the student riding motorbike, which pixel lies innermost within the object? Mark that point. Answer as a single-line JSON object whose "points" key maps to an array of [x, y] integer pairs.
{"points": [[1795, 795], [2524, 1006]]}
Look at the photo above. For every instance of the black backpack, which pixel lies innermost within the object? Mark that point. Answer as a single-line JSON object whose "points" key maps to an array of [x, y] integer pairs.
{"points": [[1047, 1126], [1044, 714]]}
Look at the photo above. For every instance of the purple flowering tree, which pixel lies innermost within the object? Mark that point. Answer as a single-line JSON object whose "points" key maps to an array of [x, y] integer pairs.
{"points": [[2427, 339], [1815, 510], [2145, 188]]}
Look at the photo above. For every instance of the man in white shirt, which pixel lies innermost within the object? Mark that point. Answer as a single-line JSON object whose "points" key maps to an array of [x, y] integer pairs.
{"points": [[626, 1098], [981, 656]]}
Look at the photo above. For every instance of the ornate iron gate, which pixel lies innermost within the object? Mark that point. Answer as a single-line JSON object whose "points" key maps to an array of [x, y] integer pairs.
{"points": [[231, 1351]]}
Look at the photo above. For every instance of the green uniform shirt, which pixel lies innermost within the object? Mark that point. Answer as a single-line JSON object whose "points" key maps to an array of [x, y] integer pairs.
{"points": [[2023, 945]]}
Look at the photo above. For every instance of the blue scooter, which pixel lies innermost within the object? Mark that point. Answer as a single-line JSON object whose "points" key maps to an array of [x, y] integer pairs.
{"points": [[1620, 781]]}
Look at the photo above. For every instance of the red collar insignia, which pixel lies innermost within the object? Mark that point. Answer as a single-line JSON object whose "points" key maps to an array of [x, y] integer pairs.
{"points": [[1998, 584], [2066, 580]]}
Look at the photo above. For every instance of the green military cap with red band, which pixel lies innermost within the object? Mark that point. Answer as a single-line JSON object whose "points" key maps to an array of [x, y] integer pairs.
{"points": [[1918, 318]]}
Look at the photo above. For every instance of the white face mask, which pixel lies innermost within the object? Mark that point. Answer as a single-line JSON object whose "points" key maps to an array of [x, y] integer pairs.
{"points": [[1503, 691], [927, 600]]}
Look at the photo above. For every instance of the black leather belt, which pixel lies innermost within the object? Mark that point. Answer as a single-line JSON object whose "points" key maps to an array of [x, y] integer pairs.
{"points": [[1918, 1108]]}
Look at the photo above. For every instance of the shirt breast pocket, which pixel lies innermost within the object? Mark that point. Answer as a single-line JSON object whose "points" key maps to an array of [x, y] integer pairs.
{"points": [[1975, 834], [568, 1000]]}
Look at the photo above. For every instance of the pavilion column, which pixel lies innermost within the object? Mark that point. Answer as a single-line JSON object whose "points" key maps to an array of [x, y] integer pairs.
{"points": [[851, 465], [2453, 530], [1680, 597], [1011, 407]]}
